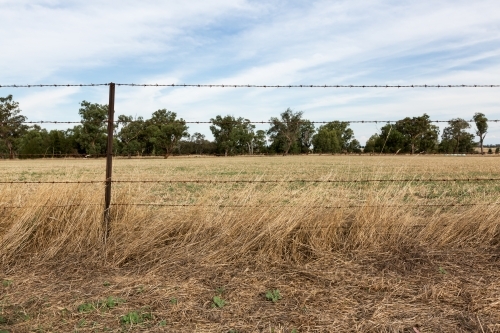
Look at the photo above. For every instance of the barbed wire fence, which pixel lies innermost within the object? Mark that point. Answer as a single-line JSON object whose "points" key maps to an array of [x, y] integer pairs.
{"points": [[108, 181]]}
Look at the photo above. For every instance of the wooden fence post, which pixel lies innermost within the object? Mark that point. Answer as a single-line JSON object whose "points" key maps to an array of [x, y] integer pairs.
{"points": [[109, 161]]}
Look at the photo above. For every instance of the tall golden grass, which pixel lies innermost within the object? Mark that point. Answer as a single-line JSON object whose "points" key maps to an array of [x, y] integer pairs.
{"points": [[280, 222]]}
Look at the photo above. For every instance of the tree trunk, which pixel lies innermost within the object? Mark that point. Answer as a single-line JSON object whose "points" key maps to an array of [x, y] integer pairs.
{"points": [[11, 151]]}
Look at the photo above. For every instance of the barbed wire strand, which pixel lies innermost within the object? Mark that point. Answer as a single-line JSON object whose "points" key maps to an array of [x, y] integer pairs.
{"points": [[53, 85], [255, 85], [312, 85], [309, 180], [260, 206], [307, 207], [118, 123], [204, 181]]}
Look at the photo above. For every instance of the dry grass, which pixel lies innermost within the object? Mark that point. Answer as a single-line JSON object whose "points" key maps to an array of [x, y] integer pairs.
{"points": [[383, 267]]}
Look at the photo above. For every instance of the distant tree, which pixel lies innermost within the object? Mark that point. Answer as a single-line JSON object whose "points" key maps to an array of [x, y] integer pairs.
{"points": [[199, 141], [490, 151], [223, 130], [34, 143], [232, 135], [418, 133], [259, 142], [371, 144], [59, 142], [92, 136], [131, 135], [11, 124], [244, 136], [285, 131], [165, 131], [481, 127], [345, 137], [497, 150], [390, 140], [326, 140], [455, 138], [306, 134]]}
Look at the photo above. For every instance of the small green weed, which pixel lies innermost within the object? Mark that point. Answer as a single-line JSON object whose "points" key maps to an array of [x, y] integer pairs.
{"points": [[81, 323], [106, 284], [86, 307], [173, 300], [4, 331], [295, 331], [442, 270], [6, 283], [273, 295], [110, 302], [162, 323], [3, 320], [218, 302], [135, 317]]}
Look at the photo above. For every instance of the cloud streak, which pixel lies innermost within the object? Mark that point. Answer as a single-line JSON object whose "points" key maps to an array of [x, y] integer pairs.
{"points": [[255, 42]]}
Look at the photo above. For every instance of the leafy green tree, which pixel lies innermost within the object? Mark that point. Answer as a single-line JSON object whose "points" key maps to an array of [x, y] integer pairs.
{"points": [[371, 144], [285, 131], [259, 142], [429, 141], [306, 131], [92, 134], [223, 130], [132, 135], [199, 141], [34, 143], [455, 138], [326, 140], [232, 135], [481, 127], [345, 136], [418, 132], [244, 136], [11, 124], [390, 140], [165, 131]]}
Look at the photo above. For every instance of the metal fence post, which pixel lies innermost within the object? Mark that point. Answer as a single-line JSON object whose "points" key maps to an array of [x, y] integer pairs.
{"points": [[109, 161]]}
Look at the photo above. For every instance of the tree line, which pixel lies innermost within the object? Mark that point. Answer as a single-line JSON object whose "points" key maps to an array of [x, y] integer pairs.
{"points": [[164, 134]]}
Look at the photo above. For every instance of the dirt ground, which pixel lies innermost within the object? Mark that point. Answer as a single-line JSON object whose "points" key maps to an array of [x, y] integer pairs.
{"points": [[360, 292]]}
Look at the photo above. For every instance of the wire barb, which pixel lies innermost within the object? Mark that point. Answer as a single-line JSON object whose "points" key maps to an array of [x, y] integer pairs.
{"points": [[254, 85]]}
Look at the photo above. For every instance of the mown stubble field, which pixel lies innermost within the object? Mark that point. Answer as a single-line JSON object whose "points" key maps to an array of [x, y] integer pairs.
{"points": [[349, 256]]}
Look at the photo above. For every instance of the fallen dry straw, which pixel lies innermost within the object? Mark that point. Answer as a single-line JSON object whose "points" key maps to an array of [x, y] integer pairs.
{"points": [[383, 263]]}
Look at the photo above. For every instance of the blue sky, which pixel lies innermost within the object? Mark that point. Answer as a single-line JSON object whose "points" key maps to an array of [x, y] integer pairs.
{"points": [[255, 42]]}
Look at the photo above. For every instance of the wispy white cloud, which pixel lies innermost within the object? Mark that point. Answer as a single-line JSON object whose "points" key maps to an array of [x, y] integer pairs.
{"points": [[256, 42]]}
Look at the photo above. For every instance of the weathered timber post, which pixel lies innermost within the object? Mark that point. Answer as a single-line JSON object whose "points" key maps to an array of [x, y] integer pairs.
{"points": [[109, 161]]}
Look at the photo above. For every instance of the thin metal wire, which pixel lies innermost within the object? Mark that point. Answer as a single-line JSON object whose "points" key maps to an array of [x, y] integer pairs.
{"points": [[261, 206], [51, 206], [304, 207], [257, 85], [235, 122], [161, 181], [310, 180], [52, 182], [312, 85], [53, 85]]}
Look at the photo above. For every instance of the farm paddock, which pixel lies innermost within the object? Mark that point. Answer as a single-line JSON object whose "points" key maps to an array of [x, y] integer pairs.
{"points": [[347, 253]]}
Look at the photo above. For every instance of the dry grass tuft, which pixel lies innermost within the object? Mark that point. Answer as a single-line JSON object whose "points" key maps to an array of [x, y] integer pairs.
{"points": [[385, 266]]}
